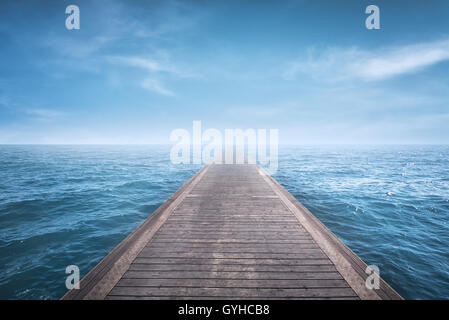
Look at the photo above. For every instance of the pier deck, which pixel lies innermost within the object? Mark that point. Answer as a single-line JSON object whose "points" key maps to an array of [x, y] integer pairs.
{"points": [[231, 232]]}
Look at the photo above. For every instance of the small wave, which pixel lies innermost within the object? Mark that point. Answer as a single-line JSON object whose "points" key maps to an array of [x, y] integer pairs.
{"points": [[141, 185]]}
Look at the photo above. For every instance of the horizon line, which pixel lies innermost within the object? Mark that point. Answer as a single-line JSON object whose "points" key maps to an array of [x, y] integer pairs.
{"points": [[170, 144]]}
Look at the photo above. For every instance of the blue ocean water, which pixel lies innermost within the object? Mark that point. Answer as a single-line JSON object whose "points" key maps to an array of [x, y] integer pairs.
{"points": [[64, 205]]}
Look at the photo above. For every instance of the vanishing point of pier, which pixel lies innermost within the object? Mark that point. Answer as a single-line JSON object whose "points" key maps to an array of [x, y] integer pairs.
{"points": [[231, 232]]}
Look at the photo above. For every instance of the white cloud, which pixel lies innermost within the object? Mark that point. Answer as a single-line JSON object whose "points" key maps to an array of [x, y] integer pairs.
{"points": [[154, 68], [143, 63], [45, 115], [337, 64], [153, 65], [155, 86]]}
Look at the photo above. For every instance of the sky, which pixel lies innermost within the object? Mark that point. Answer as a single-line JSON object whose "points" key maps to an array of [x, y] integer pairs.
{"points": [[136, 70]]}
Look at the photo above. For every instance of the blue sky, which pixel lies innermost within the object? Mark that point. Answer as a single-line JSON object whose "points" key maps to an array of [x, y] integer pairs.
{"points": [[136, 70]]}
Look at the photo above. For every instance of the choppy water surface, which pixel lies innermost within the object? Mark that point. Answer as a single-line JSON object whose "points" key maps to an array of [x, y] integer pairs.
{"points": [[63, 205]]}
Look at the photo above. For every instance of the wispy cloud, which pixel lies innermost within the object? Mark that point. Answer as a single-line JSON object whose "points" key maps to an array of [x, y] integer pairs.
{"points": [[337, 64], [153, 67], [159, 64], [78, 48], [253, 111], [148, 64], [35, 114], [156, 68], [45, 115], [155, 86]]}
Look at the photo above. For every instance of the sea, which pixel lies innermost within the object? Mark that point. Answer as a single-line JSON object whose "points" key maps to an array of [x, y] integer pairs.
{"points": [[64, 205]]}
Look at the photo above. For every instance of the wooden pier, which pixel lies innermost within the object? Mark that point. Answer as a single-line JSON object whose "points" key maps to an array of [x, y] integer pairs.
{"points": [[231, 232]]}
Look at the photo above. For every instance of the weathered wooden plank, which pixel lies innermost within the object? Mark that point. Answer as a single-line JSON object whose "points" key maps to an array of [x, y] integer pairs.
{"points": [[232, 241], [234, 212], [230, 261], [267, 219], [178, 250], [233, 267], [240, 275], [232, 292], [215, 282], [231, 246], [220, 234], [236, 234], [236, 231], [236, 225], [223, 298], [229, 237], [306, 255]]}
